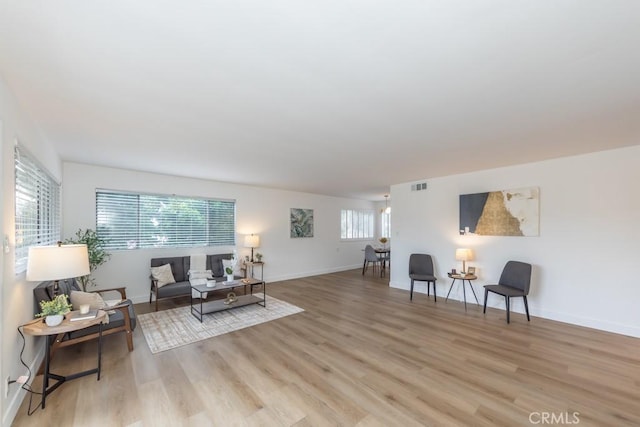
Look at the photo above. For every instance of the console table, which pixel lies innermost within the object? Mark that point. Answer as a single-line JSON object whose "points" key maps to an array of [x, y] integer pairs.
{"points": [[464, 277], [39, 328], [198, 310], [249, 266]]}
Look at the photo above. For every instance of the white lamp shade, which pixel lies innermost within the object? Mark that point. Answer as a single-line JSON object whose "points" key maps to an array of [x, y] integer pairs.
{"points": [[252, 241], [463, 254], [57, 262]]}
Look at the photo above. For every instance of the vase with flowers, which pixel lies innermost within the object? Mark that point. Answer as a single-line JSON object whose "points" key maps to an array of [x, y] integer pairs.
{"points": [[384, 241]]}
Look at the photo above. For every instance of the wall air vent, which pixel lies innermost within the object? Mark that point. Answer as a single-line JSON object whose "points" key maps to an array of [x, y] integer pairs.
{"points": [[419, 186]]}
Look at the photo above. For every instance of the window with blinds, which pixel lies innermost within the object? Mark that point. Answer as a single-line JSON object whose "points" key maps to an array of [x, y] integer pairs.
{"points": [[385, 224], [356, 224], [37, 204], [133, 221]]}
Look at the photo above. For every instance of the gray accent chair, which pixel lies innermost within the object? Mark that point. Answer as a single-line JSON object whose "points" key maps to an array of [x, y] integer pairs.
{"points": [[515, 281], [421, 270], [122, 317], [370, 256]]}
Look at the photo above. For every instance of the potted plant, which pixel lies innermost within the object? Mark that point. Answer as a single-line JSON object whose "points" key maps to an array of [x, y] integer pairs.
{"points": [[258, 257], [230, 267], [97, 253], [384, 241], [53, 311]]}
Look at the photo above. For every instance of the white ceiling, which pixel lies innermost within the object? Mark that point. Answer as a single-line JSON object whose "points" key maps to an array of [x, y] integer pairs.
{"points": [[332, 97]]}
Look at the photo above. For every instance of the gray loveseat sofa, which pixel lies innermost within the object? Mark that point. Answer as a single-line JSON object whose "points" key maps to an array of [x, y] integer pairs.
{"points": [[180, 268]]}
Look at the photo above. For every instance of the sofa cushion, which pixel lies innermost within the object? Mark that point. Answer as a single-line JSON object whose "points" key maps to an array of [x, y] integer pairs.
{"points": [[174, 290], [163, 275], [178, 267]]}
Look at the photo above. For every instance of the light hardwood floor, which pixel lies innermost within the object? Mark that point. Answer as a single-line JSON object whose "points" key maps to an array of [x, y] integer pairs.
{"points": [[361, 354]]}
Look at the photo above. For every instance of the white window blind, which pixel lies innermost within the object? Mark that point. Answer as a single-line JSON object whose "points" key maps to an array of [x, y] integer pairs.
{"points": [[132, 221], [385, 224], [37, 203], [356, 224]]}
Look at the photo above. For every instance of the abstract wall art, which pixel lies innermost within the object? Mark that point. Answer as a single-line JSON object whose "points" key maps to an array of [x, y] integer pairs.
{"points": [[501, 213], [301, 222]]}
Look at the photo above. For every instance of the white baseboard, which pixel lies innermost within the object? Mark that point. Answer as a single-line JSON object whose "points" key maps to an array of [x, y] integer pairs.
{"points": [[518, 307]]}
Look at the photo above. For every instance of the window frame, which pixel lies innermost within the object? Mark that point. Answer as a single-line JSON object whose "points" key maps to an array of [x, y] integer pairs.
{"points": [[189, 214], [346, 215]]}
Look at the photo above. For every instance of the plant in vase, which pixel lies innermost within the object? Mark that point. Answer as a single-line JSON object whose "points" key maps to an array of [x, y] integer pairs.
{"points": [[53, 311], [384, 241], [258, 257], [97, 253], [229, 269]]}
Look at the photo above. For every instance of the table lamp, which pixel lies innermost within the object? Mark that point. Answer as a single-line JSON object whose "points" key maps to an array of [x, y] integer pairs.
{"points": [[464, 255], [57, 263], [252, 241]]}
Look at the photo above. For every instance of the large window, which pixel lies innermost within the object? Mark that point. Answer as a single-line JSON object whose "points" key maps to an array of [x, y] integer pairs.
{"points": [[132, 221], [37, 207], [356, 224]]}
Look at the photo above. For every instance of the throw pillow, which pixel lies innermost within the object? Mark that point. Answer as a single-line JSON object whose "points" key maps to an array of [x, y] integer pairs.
{"points": [[163, 275], [94, 300], [200, 274]]}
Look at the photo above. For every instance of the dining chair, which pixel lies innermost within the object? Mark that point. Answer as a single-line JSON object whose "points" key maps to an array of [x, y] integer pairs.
{"points": [[421, 270], [370, 256], [514, 281]]}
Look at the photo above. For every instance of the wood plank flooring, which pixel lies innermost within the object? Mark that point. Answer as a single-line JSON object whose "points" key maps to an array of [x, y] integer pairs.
{"points": [[363, 355]]}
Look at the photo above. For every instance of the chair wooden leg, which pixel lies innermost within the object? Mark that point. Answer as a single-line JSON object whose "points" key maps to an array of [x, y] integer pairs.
{"points": [[411, 292], [364, 267], [526, 307], [486, 294], [506, 299]]}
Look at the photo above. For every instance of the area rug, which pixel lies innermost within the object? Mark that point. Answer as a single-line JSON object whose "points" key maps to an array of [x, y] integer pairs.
{"points": [[176, 327]]}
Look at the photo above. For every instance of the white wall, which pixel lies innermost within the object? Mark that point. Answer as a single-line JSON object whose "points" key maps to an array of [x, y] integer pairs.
{"points": [[584, 259], [258, 210], [16, 295]]}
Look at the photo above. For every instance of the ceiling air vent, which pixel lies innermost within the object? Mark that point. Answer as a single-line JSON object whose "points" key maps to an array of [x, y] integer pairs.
{"points": [[419, 186]]}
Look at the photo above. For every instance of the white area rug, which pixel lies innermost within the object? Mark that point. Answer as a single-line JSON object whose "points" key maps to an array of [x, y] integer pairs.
{"points": [[173, 328]]}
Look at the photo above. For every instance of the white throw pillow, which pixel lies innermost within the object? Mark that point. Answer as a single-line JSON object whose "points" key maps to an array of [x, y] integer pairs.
{"points": [[163, 275], [200, 274], [94, 300]]}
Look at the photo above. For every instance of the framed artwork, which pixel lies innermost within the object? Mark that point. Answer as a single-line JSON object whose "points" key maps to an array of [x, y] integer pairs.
{"points": [[501, 213], [471, 270], [301, 222]]}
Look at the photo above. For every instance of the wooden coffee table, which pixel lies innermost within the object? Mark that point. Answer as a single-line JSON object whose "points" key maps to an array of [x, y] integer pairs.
{"points": [[198, 310]]}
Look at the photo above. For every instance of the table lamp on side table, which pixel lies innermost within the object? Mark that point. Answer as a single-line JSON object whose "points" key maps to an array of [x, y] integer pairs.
{"points": [[464, 255], [252, 241], [56, 263]]}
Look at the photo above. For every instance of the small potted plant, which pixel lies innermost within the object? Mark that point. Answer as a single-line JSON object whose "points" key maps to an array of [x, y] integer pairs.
{"points": [[258, 257], [384, 241], [53, 311]]}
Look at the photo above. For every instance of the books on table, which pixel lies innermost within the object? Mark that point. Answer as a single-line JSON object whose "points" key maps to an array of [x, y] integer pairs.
{"points": [[74, 316]]}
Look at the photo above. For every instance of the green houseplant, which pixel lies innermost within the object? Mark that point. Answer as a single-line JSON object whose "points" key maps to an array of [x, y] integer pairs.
{"points": [[97, 253], [54, 310]]}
